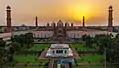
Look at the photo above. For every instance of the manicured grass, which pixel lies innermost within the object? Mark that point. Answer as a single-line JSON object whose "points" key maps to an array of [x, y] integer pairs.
{"points": [[87, 67], [23, 58], [30, 67], [82, 47], [29, 58], [42, 60], [90, 57], [38, 47]]}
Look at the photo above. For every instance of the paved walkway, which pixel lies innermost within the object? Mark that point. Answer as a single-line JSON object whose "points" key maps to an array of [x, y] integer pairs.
{"points": [[43, 54], [75, 53], [51, 63], [67, 66], [57, 58]]}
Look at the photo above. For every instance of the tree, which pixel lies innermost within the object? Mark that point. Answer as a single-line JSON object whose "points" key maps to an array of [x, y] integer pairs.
{"points": [[84, 37], [23, 39], [29, 39], [111, 45], [3, 56], [88, 40], [14, 47], [2, 43], [19, 38]]}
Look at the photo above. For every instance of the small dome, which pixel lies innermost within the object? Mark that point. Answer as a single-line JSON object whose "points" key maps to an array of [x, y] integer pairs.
{"points": [[8, 7]]}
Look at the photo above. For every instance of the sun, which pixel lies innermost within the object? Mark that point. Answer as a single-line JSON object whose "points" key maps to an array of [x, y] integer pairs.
{"points": [[78, 11], [81, 11]]}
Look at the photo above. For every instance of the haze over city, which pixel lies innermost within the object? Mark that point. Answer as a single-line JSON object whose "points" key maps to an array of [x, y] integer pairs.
{"points": [[24, 11]]}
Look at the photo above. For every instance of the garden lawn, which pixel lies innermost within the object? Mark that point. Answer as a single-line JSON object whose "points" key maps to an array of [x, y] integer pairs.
{"points": [[42, 60], [29, 58], [87, 67], [90, 57], [38, 47], [30, 67], [82, 47], [23, 58]]}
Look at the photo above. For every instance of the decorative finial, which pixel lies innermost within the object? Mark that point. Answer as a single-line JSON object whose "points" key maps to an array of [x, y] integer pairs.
{"points": [[60, 20], [8, 7], [110, 7]]}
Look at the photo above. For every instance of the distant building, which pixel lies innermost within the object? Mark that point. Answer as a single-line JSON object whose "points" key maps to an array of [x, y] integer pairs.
{"points": [[58, 31], [64, 33]]}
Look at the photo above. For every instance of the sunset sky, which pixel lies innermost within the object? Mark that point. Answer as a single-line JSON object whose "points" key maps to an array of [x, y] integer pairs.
{"points": [[24, 11]]}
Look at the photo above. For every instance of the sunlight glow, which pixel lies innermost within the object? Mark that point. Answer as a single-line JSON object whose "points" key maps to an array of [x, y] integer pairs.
{"points": [[78, 11]]}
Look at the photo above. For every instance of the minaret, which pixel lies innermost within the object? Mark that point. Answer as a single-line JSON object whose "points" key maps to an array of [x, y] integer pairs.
{"points": [[83, 21], [36, 21], [110, 19], [9, 27]]}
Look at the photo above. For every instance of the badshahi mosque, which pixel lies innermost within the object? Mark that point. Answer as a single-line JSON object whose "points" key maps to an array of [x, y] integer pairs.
{"points": [[59, 31]]}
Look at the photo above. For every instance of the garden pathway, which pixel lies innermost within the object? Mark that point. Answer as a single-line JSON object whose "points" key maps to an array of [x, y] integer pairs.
{"points": [[51, 63], [75, 53], [67, 66], [43, 54]]}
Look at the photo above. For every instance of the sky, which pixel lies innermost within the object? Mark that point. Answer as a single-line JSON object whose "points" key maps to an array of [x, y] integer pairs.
{"points": [[24, 11]]}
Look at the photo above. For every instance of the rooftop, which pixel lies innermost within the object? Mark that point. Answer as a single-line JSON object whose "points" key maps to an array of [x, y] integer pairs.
{"points": [[59, 46]]}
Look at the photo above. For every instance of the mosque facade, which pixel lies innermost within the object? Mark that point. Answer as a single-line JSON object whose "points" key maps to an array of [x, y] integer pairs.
{"points": [[61, 31]]}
